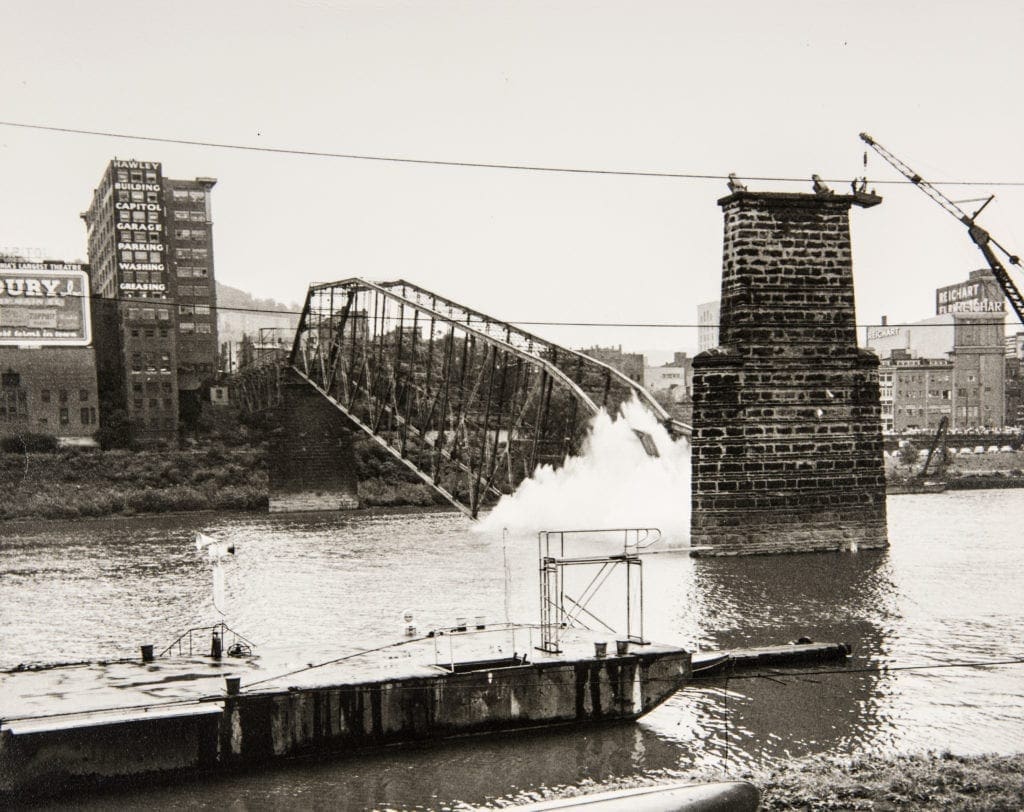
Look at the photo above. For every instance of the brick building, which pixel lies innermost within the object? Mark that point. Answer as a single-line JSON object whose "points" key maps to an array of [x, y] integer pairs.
{"points": [[150, 247], [787, 444], [964, 340]]}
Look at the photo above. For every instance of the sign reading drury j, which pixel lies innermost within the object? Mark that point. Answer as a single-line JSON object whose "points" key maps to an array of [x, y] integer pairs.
{"points": [[44, 303]]}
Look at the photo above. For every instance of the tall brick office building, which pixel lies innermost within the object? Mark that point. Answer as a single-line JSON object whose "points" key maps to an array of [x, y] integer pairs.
{"points": [[150, 244]]}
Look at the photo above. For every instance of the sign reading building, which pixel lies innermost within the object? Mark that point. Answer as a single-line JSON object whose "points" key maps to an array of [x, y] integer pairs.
{"points": [[44, 303]]}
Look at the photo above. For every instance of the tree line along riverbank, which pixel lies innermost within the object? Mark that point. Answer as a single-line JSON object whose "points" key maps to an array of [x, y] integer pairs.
{"points": [[72, 483]]}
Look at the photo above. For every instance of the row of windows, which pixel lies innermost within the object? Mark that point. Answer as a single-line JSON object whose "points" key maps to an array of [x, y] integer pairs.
{"points": [[197, 290], [141, 256], [137, 197], [191, 253], [191, 216], [62, 395], [191, 327], [192, 270], [189, 194], [136, 176], [149, 332], [198, 234], [138, 216], [148, 361], [148, 314], [152, 387], [154, 403], [19, 411], [142, 276]]}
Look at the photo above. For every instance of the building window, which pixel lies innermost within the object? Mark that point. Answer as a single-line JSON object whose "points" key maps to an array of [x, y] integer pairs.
{"points": [[167, 403], [154, 256], [180, 214], [64, 418], [10, 380], [163, 314], [138, 217], [180, 194], [199, 253], [202, 290], [198, 236], [187, 327], [138, 197], [181, 233], [202, 328], [44, 395], [136, 175], [153, 216], [122, 176], [63, 395], [151, 197], [84, 415], [165, 362], [148, 314], [141, 256], [198, 217], [136, 362], [83, 394], [202, 310], [183, 253], [185, 310], [200, 272], [150, 176], [197, 197]]}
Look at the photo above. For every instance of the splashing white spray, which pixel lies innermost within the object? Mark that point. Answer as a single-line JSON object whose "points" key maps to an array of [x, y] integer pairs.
{"points": [[613, 483]]}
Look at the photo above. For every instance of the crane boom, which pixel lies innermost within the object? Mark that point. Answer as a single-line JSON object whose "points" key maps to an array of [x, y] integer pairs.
{"points": [[979, 235]]}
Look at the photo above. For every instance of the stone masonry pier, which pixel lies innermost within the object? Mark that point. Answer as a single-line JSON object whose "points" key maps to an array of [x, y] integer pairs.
{"points": [[311, 465], [787, 442]]}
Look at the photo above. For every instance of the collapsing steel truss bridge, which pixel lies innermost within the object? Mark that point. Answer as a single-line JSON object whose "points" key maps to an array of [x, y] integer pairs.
{"points": [[469, 403]]}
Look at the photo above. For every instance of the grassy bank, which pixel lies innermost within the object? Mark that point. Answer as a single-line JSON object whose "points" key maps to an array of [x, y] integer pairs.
{"points": [[919, 782], [74, 483], [928, 782]]}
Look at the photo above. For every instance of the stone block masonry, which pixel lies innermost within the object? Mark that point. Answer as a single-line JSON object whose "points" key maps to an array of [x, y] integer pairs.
{"points": [[787, 440], [312, 464]]}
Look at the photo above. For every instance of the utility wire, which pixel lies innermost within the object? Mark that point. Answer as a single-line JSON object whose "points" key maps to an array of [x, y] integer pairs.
{"points": [[141, 302], [310, 153]]}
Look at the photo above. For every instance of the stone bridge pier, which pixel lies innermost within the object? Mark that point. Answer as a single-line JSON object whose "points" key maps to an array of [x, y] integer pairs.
{"points": [[787, 441], [311, 464]]}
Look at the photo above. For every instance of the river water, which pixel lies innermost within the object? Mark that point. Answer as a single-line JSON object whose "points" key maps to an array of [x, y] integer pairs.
{"points": [[949, 590]]}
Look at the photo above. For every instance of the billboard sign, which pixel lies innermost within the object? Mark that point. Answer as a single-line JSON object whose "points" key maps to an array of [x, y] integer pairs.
{"points": [[975, 296], [44, 303]]}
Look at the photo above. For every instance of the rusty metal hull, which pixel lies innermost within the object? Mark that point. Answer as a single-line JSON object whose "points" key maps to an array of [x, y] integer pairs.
{"points": [[321, 712]]}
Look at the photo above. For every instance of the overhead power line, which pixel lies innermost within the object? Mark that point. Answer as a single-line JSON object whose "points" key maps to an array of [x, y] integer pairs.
{"points": [[311, 153], [469, 323]]}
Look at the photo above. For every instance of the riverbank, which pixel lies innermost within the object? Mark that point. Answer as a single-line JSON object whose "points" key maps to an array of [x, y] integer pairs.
{"points": [[73, 483], [931, 781]]}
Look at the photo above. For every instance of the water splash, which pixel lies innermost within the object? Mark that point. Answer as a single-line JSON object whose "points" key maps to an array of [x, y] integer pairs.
{"points": [[613, 483]]}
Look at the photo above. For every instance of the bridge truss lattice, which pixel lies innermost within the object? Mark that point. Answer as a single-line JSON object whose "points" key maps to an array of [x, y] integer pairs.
{"points": [[469, 403]]}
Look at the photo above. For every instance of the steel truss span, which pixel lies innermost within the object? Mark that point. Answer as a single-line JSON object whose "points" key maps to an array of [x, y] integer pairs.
{"points": [[469, 403]]}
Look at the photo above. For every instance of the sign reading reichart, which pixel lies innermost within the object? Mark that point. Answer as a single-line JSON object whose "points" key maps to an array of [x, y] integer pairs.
{"points": [[44, 303]]}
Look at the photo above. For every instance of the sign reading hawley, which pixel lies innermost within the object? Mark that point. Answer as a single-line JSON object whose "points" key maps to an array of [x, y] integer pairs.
{"points": [[44, 303]]}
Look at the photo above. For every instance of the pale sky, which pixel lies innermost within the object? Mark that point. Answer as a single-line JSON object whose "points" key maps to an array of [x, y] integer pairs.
{"points": [[771, 89]]}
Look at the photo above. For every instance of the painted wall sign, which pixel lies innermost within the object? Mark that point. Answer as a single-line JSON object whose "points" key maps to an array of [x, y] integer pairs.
{"points": [[44, 303]]}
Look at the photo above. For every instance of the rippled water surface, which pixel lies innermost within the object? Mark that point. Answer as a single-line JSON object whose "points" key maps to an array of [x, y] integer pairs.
{"points": [[949, 590]]}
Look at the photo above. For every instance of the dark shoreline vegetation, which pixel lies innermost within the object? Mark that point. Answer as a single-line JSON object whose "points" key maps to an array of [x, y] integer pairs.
{"points": [[226, 469], [75, 483]]}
